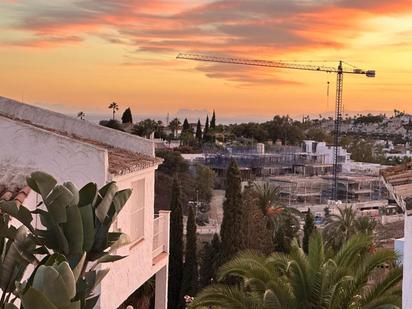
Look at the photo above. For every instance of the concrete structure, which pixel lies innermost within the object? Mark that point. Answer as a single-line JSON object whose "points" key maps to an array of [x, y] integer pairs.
{"points": [[314, 190], [78, 151]]}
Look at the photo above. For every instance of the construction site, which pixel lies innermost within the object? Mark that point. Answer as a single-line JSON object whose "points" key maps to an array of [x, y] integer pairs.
{"points": [[315, 190], [258, 162]]}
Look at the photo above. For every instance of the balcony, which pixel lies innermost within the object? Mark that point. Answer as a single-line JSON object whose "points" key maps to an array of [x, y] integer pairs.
{"points": [[161, 233]]}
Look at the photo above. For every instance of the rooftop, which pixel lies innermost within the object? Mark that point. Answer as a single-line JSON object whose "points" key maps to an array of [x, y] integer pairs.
{"points": [[13, 183], [121, 161]]}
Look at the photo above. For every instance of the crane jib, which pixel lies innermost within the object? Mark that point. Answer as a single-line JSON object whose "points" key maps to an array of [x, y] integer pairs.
{"points": [[285, 65]]}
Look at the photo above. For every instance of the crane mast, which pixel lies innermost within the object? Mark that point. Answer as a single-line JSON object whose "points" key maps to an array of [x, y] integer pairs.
{"points": [[340, 71]]}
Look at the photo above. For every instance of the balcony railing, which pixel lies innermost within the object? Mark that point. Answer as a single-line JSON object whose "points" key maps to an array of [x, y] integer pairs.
{"points": [[160, 233]]}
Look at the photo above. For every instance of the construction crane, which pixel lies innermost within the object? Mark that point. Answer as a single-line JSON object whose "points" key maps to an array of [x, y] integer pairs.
{"points": [[339, 70]]}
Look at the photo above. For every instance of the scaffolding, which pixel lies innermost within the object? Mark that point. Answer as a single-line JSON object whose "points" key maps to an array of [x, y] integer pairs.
{"points": [[296, 190]]}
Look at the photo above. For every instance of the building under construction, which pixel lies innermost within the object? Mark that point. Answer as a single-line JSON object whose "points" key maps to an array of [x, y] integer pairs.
{"points": [[296, 190], [280, 160]]}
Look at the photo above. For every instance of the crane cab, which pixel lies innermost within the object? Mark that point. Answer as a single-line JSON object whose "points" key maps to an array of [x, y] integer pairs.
{"points": [[370, 73]]}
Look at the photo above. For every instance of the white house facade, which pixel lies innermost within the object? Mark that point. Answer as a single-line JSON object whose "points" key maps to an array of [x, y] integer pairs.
{"points": [[75, 150]]}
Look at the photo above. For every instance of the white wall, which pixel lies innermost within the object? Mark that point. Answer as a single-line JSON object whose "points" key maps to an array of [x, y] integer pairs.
{"points": [[62, 157], [407, 265], [130, 273], [75, 126]]}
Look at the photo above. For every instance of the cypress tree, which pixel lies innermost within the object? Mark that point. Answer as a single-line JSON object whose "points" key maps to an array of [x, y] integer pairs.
{"points": [[185, 127], [209, 261], [199, 131], [127, 116], [190, 271], [308, 228], [206, 130], [176, 246], [232, 230], [285, 233], [213, 121]]}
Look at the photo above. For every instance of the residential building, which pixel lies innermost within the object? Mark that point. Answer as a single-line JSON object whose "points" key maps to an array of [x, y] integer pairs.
{"points": [[76, 150]]}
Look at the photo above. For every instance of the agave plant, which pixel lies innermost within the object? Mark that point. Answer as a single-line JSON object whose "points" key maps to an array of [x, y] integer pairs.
{"points": [[75, 231], [309, 281]]}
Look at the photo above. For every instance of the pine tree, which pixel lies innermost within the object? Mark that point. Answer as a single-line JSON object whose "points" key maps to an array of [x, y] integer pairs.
{"points": [[199, 131], [209, 261], [232, 230], [176, 246], [213, 121], [190, 272], [127, 116], [206, 130], [308, 228]]}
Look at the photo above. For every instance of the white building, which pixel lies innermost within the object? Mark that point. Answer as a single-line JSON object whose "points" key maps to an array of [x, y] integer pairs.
{"points": [[326, 152], [79, 151], [398, 181]]}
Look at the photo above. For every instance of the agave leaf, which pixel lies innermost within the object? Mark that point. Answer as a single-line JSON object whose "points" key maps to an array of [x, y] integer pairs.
{"points": [[61, 239], [72, 188], [100, 276], [19, 254], [91, 302], [109, 258], [101, 240], [79, 267], [122, 240], [56, 283], [68, 278], [119, 200], [20, 213], [87, 217], [34, 299], [57, 201], [107, 193], [88, 195], [41, 183], [75, 305], [73, 229]]}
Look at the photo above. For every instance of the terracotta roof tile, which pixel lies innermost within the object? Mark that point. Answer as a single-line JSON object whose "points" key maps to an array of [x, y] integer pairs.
{"points": [[16, 194]]}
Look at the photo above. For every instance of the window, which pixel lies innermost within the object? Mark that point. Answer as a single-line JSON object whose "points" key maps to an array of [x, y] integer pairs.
{"points": [[137, 210]]}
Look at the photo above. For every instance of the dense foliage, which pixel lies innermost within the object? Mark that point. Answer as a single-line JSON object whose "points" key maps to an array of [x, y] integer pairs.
{"points": [[316, 280], [340, 227], [209, 261]]}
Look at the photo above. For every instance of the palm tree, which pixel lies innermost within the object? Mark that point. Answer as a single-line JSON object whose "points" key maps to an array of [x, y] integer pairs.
{"points": [[342, 226], [316, 280], [268, 200], [81, 115], [114, 107], [174, 126]]}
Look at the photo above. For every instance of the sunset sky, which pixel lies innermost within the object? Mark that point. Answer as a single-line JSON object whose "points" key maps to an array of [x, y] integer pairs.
{"points": [[80, 55]]}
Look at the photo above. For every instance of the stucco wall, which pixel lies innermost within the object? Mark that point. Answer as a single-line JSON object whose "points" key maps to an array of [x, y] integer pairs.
{"points": [[130, 273], [64, 158], [75, 126], [407, 265]]}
